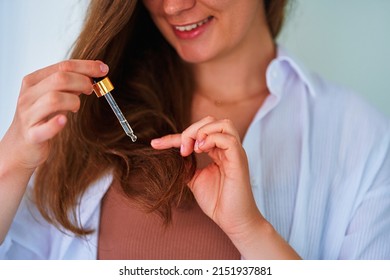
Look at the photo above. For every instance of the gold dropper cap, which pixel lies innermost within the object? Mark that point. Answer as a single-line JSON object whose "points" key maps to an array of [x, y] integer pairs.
{"points": [[103, 87]]}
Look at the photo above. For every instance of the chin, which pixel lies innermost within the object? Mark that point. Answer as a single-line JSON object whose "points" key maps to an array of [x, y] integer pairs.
{"points": [[194, 56]]}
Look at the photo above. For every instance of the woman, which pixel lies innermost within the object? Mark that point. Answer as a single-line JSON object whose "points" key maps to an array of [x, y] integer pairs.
{"points": [[195, 79]]}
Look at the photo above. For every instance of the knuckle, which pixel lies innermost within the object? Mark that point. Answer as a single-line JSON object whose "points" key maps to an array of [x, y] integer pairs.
{"points": [[65, 66], [209, 118], [227, 122], [27, 81], [201, 132], [186, 134], [60, 78], [91, 68], [53, 100], [22, 101], [233, 140]]}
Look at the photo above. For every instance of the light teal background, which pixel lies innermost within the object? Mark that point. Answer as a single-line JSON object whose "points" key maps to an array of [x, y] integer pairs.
{"points": [[346, 41]]}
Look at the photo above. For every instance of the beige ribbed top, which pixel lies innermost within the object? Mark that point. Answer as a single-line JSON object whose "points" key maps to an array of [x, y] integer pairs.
{"points": [[126, 232]]}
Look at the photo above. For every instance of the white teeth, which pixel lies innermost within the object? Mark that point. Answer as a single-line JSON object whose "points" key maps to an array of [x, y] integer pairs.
{"points": [[191, 26]]}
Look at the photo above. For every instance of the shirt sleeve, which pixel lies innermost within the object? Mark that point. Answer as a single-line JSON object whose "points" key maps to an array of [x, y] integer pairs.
{"points": [[368, 233], [29, 235]]}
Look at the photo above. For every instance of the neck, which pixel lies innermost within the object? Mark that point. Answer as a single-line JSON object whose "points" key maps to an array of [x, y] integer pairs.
{"points": [[239, 74]]}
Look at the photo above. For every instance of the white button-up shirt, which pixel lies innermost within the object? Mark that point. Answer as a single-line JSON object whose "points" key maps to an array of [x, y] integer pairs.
{"points": [[319, 160]]}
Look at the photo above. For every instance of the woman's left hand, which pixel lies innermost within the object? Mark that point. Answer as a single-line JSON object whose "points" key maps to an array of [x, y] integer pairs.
{"points": [[222, 189]]}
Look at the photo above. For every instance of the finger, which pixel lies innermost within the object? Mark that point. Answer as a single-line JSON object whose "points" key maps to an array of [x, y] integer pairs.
{"points": [[59, 81], [166, 142], [227, 153], [62, 81], [47, 130], [50, 104], [229, 144], [188, 137], [90, 68], [224, 126]]}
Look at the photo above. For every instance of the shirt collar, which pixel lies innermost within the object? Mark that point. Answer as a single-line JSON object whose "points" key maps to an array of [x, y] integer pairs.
{"points": [[282, 67], [279, 73]]}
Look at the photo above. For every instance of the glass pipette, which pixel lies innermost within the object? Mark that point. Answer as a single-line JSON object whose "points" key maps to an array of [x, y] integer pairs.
{"points": [[104, 88]]}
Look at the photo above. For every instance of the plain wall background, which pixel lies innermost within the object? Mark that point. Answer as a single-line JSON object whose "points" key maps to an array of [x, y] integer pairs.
{"points": [[346, 41]]}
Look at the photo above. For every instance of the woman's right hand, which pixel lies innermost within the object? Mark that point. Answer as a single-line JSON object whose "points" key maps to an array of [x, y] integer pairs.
{"points": [[45, 97]]}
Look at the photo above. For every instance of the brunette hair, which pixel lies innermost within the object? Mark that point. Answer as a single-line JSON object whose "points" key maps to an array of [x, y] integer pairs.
{"points": [[154, 90], [275, 14]]}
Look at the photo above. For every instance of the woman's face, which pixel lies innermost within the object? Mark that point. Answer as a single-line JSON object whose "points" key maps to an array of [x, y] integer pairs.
{"points": [[203, 30]]}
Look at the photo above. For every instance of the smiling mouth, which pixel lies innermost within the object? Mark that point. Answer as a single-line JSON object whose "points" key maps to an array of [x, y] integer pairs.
{"points": [[192, 26]]}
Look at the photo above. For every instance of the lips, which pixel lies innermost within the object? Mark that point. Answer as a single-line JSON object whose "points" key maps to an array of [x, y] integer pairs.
{"points": [[190, 31]]}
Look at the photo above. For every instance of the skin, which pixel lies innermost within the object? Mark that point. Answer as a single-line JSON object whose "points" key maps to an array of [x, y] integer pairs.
{"points": [[227, 63], [229, 57], [45, 96], [227, 30]]}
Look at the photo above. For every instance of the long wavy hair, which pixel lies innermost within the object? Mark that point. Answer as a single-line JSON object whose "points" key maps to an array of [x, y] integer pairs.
{"points": [[154, 90]]}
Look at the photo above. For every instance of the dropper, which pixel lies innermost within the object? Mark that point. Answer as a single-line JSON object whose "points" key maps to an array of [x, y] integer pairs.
{"points": [[104, 88]]}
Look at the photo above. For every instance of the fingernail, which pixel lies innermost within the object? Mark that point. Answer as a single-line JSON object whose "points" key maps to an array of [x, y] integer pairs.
{"points": [[61, 120], [201, 143], [181, 148], [155, 141], [104, 68]]}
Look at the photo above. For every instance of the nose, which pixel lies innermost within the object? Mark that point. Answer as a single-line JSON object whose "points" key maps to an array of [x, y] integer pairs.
{"points": [[175, 7]]}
